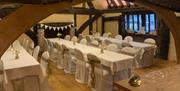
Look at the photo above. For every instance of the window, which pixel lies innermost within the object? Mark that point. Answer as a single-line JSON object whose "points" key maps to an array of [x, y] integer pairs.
{"points": [[135, 22]]}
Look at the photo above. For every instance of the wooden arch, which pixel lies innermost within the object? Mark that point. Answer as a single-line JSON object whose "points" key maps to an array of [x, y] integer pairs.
{"points": [[13, 25], [170, 19]]}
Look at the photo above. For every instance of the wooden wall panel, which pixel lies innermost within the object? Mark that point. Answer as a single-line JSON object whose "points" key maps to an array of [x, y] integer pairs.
{"points": [[12, 26]]}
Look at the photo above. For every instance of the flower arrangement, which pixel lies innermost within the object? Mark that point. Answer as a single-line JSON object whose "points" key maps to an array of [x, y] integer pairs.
{"points": [[109, 34], [59, 35]]}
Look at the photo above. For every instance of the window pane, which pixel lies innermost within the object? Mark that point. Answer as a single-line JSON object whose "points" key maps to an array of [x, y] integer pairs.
{"points": [[147, 23], [152, 22], [130, 22], [140, 22], [125, 22], [135, 23]]}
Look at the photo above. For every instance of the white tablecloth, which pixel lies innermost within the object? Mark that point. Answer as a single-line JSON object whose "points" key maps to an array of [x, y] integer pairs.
{"points": [[25, 66], [146, 50], [113, 60]]}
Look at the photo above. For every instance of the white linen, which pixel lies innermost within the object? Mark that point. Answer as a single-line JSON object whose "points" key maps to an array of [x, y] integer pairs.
{"points": [[113, 60], [20, 68]]}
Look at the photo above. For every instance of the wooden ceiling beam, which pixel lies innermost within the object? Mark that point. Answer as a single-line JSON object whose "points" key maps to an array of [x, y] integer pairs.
{"points": [[87, 11]]}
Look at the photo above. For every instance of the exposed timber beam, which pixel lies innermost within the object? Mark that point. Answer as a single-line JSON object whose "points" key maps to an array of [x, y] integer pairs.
{"points": [[87, 11], [87, 23], [90, 4], [21, 20]]}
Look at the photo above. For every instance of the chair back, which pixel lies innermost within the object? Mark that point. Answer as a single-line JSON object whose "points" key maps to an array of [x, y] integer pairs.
{"points": [[94, 62], [106, 35], [36, 52], [89, 39], [126, 44], [44, 62], [112, 47], [74, 38], [67, 37], [107, 42], [150, 41], [79, 55], [118, 37], [129, 38], [129, 51], [94, 43], [83, 41]]}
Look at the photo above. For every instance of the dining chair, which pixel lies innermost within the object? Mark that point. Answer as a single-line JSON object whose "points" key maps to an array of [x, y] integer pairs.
{"points": [[31, 48], [100, 77], [107, 42], [113, 47], [129, 38], [80, 37], [89, 38], [94, 43], [106, 35], [74, 38], [54, 52], [119, 37], [69, 60], [60, 60], [83, 41], [36, 52], [67, 37], [150, 41], [44, 63], [82, 67], [1, 76]]}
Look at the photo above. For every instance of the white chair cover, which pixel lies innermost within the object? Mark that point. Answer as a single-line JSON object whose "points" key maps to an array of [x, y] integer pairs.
{"points": [[89, 38], [94, 43], [118, 37], [1, 76], [150, 41], [26, 44], [74, 38], [67, 37], [69, 61], [83, 41], [82, 67], [54, 52], [60, 61], [106, 35], [113, 47], [107, 42], [101, 77], [129, 38], [44, 62], [36, 52], [31, 48], [97, 34]]}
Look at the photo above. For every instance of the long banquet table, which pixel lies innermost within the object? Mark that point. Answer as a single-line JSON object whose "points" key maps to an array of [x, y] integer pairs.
{"points": [[20, 68], [115, 61], [146, 53]]}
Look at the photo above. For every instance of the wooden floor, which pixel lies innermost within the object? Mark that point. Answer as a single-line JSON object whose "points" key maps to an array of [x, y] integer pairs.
{"points": [[59, 81]]}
